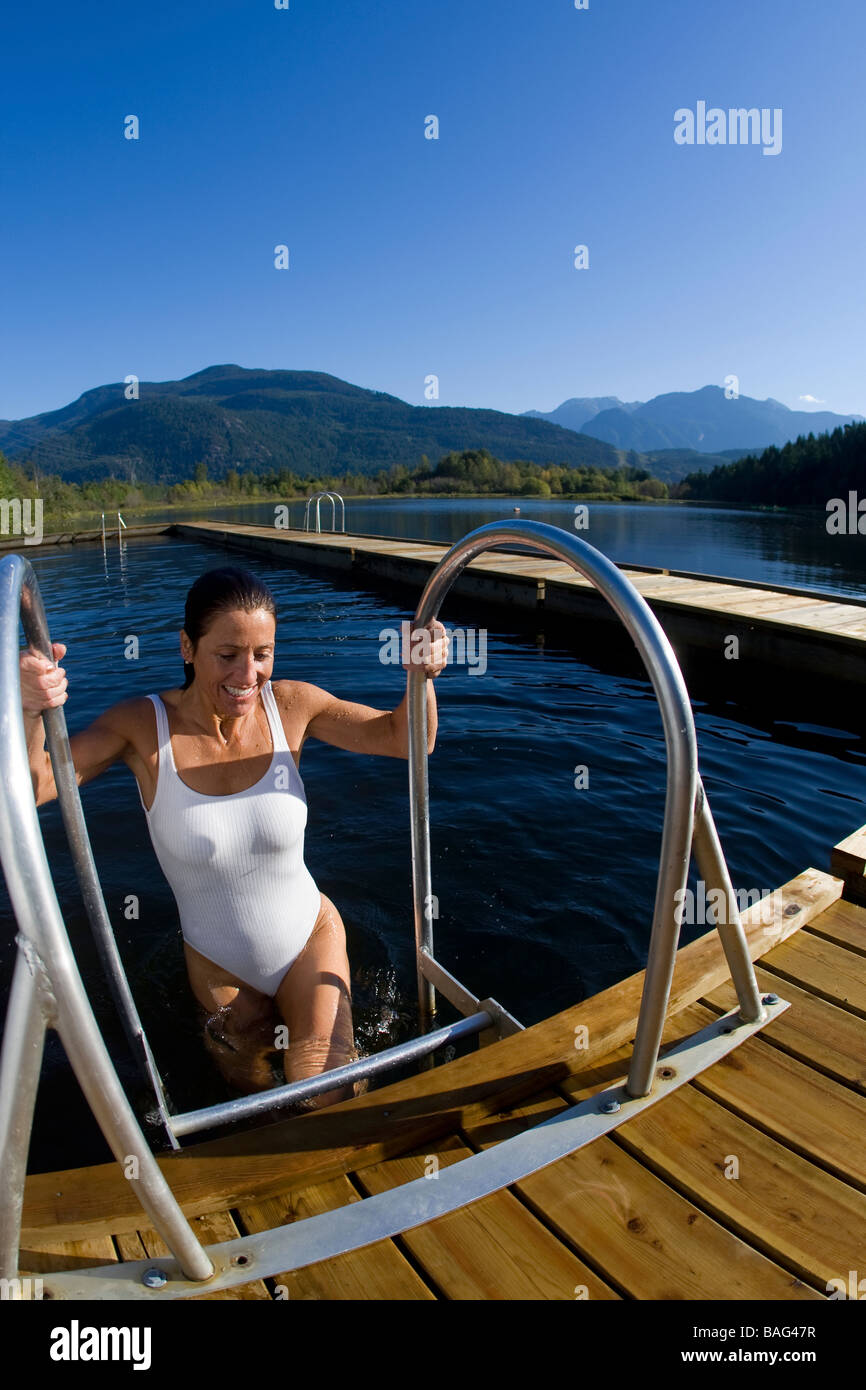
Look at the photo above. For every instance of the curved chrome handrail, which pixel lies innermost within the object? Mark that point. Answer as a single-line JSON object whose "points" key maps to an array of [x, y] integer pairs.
{"points": [[333, 498], [47, 986], [683, 783], [36, 631]]}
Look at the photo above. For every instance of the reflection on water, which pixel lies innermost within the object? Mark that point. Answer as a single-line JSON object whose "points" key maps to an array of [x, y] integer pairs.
{"points": [[544, 892]]}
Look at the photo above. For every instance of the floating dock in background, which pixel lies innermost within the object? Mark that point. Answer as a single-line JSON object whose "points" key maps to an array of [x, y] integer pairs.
{"points": [[796, 630]]}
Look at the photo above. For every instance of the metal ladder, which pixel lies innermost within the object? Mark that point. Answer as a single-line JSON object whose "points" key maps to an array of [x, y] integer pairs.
{"points": [[47, 990], [333, 498]]}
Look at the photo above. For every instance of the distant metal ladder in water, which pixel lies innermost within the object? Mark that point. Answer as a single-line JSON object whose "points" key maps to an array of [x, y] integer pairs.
{"points": [[120, 523], [333, 498], [47, 990]]}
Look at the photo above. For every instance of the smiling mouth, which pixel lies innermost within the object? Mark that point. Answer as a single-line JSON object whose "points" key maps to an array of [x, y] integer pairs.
{"points": [[240, 692]]}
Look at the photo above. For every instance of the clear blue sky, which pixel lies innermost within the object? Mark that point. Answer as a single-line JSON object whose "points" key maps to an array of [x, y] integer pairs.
{"points": [[411, 256]]}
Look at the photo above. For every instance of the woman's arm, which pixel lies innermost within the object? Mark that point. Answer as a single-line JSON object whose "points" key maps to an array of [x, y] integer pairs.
{"points": [[362, 729], [43, 686]]}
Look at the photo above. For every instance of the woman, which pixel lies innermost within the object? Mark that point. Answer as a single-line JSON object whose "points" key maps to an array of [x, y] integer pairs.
{"points": [[216, 762]]}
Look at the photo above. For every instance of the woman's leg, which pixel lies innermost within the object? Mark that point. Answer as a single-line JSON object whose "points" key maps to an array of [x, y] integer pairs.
{"points": [[315, 999], [239, 1023]]}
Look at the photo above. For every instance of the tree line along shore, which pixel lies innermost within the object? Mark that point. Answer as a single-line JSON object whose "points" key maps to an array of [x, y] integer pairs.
{"points": [[805, 472], [470, 473]]}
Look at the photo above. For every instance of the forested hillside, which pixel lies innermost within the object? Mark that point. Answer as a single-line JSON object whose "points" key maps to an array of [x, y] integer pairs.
{"points": [[808, 472]]}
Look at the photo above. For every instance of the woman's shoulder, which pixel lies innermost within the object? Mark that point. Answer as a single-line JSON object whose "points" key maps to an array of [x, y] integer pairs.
{"points": [[135, 720], [132, 713], [126, 729], [297, 703], [168, 697], [292, 695]]}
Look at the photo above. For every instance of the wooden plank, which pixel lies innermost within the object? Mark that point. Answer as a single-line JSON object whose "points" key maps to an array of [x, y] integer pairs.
{"points": [[494, 1249], [652, 583], [819, 1118], [848, 632], [845, 924], [823, 1121], [48, 1256], [130, 1246], [814, 615], [829, 1039], [793, 1211], [681, 591], [848, 861], [830, 971], [233, 1172], [758, 605], [764, 601], [719, 595], [553, 570], [379, 1271], [417, 552], [519, 564], [780, 1201], [787, 609], [650, 1242], [845, 620], [210, 1229], [724, 599], [849, 856]]}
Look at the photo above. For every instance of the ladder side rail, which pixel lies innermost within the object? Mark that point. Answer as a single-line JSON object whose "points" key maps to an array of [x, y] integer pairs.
{"points": [[334, 498], [419, 813], [678, 723], [69, 800], [28, 1014], [714, 871], [40, 923]]}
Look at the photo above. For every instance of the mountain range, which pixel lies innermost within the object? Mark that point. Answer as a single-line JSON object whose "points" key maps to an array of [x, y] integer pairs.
{"points": [[308, 423], [705, 420], [315, 425]]}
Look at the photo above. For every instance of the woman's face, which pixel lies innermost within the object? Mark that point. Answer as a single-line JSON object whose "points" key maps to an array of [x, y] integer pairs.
{"points": [[233, 659]]}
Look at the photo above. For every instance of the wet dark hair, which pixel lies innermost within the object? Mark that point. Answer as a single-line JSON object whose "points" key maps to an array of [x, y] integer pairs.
{"points": [[221, 591]]}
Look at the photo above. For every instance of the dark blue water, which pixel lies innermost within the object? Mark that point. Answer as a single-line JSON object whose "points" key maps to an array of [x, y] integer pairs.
{"points": [[545, 892], [778, 547]]}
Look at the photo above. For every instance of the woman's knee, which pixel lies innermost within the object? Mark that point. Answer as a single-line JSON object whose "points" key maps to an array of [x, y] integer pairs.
{"points": [[314, 1056], [315, 1053], [242, 1056]]}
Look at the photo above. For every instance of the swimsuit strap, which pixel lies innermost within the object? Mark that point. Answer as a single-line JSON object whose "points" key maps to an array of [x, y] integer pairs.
{"points": [[165, 761], [163, 735], [278, 733]]}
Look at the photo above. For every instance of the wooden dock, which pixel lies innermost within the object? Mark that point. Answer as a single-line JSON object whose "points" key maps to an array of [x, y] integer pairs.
{"points": [[799, 630], [746, 1183], [784, 627]]}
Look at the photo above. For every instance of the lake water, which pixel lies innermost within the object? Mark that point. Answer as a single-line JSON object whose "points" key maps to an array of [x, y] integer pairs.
{"points": [[545, 891], [789, 548]]}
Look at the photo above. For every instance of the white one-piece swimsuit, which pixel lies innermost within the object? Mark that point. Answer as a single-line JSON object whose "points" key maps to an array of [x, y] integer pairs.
{"points": [[235, 863]]}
